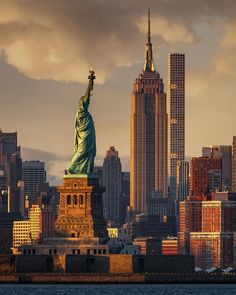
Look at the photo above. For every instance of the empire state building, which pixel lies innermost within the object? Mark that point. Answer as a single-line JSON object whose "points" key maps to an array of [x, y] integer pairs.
{"points": [[148, 135]]}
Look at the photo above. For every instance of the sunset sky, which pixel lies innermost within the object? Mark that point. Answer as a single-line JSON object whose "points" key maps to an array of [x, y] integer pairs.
{"points": [[48, 46]]}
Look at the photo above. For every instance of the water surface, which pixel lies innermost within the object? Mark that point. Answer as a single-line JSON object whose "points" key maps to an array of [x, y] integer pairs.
{"points": [[134, 289]]}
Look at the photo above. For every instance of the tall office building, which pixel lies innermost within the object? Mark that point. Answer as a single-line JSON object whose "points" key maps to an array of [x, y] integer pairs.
{"points": [[8, 146], [226, 151], [182, 180], [125, 198], [148, 135], [234, 165], [176, 113], [33, 174], [112, 181], [15, 197], [98, 171], [10, 173]]}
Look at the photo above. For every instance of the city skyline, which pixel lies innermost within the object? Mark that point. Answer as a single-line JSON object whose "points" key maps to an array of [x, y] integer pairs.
{"points": [[204, 33]]}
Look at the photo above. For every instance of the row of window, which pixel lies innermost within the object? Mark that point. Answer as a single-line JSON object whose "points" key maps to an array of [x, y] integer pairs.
{"points": [[74, 199], [74, 251]]}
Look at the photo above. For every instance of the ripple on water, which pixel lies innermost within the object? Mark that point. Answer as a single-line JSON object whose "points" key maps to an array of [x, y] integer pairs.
{"points": [[38, 289]]}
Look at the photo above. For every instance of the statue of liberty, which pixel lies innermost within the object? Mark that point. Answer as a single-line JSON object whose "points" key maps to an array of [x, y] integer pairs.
{"points": [[82, 161]]}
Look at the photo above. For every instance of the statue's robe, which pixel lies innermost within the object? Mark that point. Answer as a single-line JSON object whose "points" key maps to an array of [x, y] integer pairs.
{"points": [[84, 141]]}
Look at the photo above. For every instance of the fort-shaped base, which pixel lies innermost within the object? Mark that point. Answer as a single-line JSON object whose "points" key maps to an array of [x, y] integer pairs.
{"points": [[80, 211]]}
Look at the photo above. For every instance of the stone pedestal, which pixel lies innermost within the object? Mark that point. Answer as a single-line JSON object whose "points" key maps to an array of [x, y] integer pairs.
{"points": [[81, 210]]}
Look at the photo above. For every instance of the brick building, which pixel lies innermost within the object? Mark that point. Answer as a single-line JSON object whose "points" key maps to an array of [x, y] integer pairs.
{"points": [[212, 249], [190, 220], [203, 172], [207, 231]]}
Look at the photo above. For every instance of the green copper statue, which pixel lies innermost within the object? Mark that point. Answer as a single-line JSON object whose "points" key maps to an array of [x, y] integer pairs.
{"points": [[84, 141]]}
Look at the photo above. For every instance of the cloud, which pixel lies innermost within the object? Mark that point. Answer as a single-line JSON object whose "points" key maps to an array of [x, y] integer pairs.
{"points": [[225, 60], [170, 31], [61, 40]]}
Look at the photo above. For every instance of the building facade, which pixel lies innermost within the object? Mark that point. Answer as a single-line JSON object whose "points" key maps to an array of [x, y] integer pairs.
{"points": [[190, 220], [208, 231], [21, 233], [8, 147], [234, 165], [225, 153], [182, 180], [176, 115], [112, 181], [212, 249], [10, 172], [201, 175], [15, 184], [33, 174], [148, 135], [170, 246], [219, 216]]}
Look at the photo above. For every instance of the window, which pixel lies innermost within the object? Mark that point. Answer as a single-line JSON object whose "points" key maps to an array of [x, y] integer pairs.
{"points": [[75, 200], [50, 251], [68, 199], [55, 251], [73, 251], [88, 251], [81, 199]]}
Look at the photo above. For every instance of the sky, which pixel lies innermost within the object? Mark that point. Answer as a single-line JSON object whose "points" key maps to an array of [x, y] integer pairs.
{"points": [[47, 48]]}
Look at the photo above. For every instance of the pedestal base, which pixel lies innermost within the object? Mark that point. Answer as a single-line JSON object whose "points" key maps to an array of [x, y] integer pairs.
{"points": [[81, 210]]}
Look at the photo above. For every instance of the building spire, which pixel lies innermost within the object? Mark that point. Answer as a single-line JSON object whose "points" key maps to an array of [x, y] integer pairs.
{"points": [[149, 25], [149, 65]]}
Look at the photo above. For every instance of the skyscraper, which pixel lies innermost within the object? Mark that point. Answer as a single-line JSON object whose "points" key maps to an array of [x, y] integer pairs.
{"points": [[33, 174], [176, 113], [234, 165], [12, 194], [14, 176], [112, 181], [226, 151], [8, 147], [148, 134], [182, 180]]}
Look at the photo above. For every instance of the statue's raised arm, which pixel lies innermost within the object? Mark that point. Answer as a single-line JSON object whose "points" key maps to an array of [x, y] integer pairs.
{"points": [[85, 100], [85, 140]]}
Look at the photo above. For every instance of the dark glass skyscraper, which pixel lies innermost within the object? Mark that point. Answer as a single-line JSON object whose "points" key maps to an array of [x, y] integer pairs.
{"points": [[112, 181]]}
